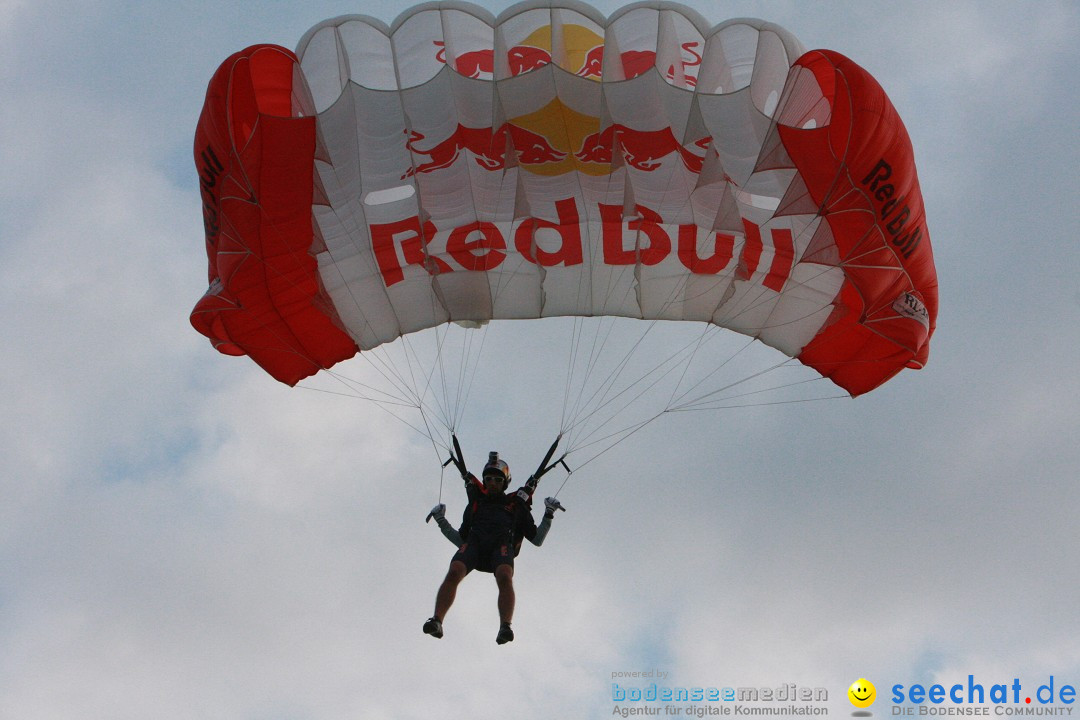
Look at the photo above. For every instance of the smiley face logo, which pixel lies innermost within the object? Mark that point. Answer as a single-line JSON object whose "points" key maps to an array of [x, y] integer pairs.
{"points": [[862, 693]]}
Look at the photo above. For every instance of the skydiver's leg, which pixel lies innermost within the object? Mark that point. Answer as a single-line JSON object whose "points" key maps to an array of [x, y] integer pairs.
{"points": [[448, 590], [504, 578]]}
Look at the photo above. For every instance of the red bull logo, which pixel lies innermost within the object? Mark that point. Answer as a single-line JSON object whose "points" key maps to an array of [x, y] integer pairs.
{"points": [[472, 63], [556, 139], [641, 149], [593, 67], [525, 58], [584, 57], [638, 62], [487, 145], [481, 63], [634, 63], [582, 51]]}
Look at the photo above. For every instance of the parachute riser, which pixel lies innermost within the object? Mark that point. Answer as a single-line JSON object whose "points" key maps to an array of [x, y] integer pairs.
{"points": [[546, 466], [457, 458]]}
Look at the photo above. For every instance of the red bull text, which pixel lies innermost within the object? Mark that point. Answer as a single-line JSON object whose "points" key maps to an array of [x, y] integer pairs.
{"points": [[624, 241]]}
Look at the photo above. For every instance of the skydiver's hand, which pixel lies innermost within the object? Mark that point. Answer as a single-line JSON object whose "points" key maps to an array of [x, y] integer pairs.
{"points": [[438, 512], [551, 505]]}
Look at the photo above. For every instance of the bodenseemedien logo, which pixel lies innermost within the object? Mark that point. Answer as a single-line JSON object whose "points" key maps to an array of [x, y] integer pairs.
{"points": [[783, 700]]}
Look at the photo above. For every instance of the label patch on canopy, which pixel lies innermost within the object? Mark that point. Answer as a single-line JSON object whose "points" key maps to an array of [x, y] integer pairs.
{"points": [[910, 306]]}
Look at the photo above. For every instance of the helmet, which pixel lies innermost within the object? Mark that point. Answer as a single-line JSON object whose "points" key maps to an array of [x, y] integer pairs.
{"points": [[495, 466]]}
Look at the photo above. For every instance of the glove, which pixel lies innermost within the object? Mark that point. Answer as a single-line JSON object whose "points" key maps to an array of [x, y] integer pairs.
{"points": [[551, 505], [438, 512]]}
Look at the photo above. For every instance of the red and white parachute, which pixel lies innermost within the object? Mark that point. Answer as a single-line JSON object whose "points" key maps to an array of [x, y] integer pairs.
{"points": [[460, 167]]}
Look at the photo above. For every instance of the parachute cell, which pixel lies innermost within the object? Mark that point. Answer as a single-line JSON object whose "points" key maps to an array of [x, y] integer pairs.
{"points": [[457, 167], [254, 153]]}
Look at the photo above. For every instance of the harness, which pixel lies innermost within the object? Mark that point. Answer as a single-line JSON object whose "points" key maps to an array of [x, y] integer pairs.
{"points": [[495, 520]]}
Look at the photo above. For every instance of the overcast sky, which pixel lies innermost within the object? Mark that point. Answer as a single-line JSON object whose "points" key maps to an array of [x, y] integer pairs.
{"points": [[181, 536]]}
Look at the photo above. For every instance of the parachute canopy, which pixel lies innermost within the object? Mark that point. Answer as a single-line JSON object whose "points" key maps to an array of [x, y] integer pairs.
{"points": [[458, 167]]}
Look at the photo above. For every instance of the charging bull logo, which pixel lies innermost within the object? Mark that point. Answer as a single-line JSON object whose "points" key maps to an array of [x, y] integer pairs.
{"points": [[481, 63], [487, 145], [641, 149], [583, 56], [638, 62], [555, 140]]}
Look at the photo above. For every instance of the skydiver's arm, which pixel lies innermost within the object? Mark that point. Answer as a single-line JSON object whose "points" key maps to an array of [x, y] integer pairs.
{"points": [[439, 513], [542, 530], [448, 531], [550, 505]]}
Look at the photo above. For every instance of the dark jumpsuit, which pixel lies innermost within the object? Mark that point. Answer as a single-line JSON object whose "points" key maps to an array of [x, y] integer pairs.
{"points": [[493, 527]]}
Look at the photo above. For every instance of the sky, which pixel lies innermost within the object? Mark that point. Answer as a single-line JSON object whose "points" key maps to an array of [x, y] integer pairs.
{"points": [[181, 536]]}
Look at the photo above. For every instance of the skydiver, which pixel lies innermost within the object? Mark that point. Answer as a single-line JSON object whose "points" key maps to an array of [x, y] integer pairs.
{"points": [[492, 528]]}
